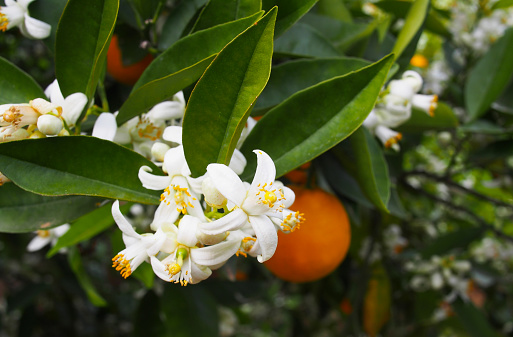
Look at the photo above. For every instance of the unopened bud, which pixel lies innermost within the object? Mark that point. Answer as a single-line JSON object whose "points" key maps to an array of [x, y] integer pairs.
{"points": [[212, 196], [49, 125], [158, 151]]}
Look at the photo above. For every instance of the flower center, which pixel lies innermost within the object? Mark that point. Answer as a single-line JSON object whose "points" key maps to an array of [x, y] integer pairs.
{"points": [[43, 233], [3, 22], [146, 129], [245, 246], [12, 115], [292, 222], [180, 196], [122, 265], [269, 195], [394, 140]]}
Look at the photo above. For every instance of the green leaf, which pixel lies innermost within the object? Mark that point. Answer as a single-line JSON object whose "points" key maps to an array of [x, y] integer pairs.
{"points": [[86, 227], [502, 4], [190, 311], [484, 127], [419, 121], [460, 238], [473, 319], [49, 11], [75, 262], [364, 159], [290, 77], [412, 24], [221, 101], [289, 12], [145, 274], [76, 165], [23, 211], [17, 86], [180, 66], [304, 41], [496, 151], [148, 321], [81, 44], [490, 76], [335, 9], [315, 119], [217, 12]]}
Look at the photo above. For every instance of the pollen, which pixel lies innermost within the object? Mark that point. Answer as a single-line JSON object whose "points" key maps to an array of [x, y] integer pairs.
{"points": [[122, 265], [12, 115], [432, 106], [42, 233], [146, 129], [174, 269], [393, 140], [3, 22]]}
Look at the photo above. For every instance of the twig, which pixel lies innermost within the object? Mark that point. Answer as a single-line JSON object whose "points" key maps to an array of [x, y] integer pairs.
{"points": [[460, 209]]}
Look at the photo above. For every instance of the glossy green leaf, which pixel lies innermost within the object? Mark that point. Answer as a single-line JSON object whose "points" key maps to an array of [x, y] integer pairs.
{"points": [[217, 12], [221, 101], [86, 227], [48, 11], [76, 165], [80, 52], [473, 319], [412, 24], [180, 66], [444, 118], [75, 262], [17, 86], [335, 9], [364, 159], [504, 103], [289, 12], [190, 311], [315, 119], [490, 76], [304, 41], [291, 77], [23, 211], [460, 238]]}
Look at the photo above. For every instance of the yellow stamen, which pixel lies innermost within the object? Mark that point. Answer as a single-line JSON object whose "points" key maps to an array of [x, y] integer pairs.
{"points": [[43, 233], [433, 105], [3, 22], [393, 140], [122, 265]]}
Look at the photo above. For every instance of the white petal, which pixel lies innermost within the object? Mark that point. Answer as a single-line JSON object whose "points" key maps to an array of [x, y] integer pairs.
{"points": [[265, 171], [174, 161], [227, 182], [216, 254], [37, 243], [237, 162], [122, 223], [199, 273], [231, 221], [164, 214], [53, 92], [173, 134], [34, 28], [371, 121], [151, 181], [187, 231], [166, 111], [266, 236], [14, 13], [105, 126], [73, 106], [61, 230], [24, 3], [160, 269]]}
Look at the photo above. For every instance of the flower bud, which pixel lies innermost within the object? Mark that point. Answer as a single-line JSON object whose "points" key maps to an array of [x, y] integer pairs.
{"points": [[49, 125], [212, 196], [158, 151], [43, 107]]}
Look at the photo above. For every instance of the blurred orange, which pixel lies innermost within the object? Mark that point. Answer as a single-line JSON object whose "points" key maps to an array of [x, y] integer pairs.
{"points": [[419, 61], [124, 74]]}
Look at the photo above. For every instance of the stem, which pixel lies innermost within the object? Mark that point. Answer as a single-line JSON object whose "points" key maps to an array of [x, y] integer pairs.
{"points": [[103, 96]]}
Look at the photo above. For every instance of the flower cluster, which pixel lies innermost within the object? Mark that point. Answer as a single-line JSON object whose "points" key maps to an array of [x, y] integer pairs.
{"points": [[202, 222], [394, 107], [16, 14]]}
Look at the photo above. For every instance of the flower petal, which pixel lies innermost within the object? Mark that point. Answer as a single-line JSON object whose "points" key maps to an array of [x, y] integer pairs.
{"points": [[72, 107], [173, 134], [218, 253], [105, 126], [122, 223], [237, 162], [187, 231], [227, 183], [34, 28], [53, 92], [199, 273], [266, 236], [265, 171], [166, 111], [230, 221], [160, 269], [152, 181], [37, 243]]}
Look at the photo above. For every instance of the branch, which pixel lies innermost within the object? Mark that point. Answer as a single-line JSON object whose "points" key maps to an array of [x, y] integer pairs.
{"points": [[460, 209]]}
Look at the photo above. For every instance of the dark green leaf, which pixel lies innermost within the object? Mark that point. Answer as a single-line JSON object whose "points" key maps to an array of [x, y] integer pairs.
{"points": [[76, 165], [22, 211], [81, 44], [315, 119], [148, 321], [291, 77], [490, 76], [217, 12], [190, 311], [460, 238], [48, 11], [473, 319], [335, 9], [412, 24], [495, 151], [419, 121], [288, 12], [221, 101], [75, 262], [482, 126], [86, 227], [17, 86], [304, 41], [364, 159], [145, 274], [180, 66]]}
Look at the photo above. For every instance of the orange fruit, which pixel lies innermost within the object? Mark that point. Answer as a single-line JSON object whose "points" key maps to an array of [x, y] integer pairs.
{"points": [[419, 60], [320, 245], [126, 74]]}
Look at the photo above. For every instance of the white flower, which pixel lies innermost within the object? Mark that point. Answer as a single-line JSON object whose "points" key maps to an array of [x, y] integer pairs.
{"points": [[15, 14], [72, 105], [388, 137], [186, 263], [105, 126], [426, 103], [253, 204], [47, 236], [139, 247], [49, 125]]}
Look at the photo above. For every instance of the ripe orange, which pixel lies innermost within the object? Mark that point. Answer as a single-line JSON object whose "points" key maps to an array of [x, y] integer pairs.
{"points": [[419, 60], [320, 245], [126, 74]]}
